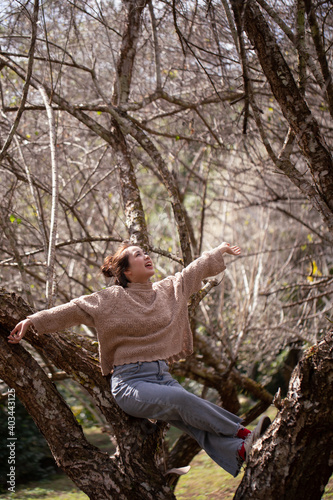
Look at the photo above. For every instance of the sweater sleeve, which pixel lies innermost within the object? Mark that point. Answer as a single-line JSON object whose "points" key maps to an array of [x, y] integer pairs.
{"points": [[61, 317], [210, 263]]}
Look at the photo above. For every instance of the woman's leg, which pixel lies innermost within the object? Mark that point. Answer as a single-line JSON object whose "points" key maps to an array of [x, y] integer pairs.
{"points": [[147, 390], [151, 392], [223, 450]]}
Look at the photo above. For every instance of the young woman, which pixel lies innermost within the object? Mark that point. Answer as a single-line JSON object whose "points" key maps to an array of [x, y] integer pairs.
{"points": [[142, 327]]}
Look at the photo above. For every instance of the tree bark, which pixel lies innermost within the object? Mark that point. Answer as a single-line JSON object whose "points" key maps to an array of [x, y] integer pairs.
{"points": [[295, 457], [132, 203], [321, 52], [125, 63]]}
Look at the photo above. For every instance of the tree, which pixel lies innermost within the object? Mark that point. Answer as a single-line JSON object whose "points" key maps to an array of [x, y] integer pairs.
{"points": [[300, 436], [33, 459], [160, 122], [297, 449]]}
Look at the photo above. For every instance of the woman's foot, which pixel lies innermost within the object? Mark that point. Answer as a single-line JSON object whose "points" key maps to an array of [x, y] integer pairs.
{"points": [[179, 471], [258, 431]]}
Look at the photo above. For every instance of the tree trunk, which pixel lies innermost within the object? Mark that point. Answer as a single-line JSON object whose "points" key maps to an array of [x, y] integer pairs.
{"points": [[294, 460]]}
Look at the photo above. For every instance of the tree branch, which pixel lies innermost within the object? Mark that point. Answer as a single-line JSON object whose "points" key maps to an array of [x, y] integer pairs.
{"points": [[156, 46], [50, 284], [295, 110], [26, 81], [85, 464], [321, 53]]}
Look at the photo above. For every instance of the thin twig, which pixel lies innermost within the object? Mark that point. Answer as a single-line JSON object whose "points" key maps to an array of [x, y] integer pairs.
{"points": [[26, 82], [33, 191]]}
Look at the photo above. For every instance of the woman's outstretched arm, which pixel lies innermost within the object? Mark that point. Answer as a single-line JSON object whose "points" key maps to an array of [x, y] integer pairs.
{"points": [[210, 263], [55, 319]]}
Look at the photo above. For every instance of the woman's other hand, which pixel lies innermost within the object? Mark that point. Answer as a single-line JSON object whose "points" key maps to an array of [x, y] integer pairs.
{"points": [[19, 331], [226, 248]]}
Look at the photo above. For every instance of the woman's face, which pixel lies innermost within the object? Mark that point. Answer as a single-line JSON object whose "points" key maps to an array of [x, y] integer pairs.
{"points": [[141, 268]]}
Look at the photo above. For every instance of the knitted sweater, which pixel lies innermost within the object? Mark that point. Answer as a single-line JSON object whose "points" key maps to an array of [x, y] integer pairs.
{"points": [[144, 322]]}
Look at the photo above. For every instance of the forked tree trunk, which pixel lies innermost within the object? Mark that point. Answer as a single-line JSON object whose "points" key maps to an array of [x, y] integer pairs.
{"points": [[292, 462]]}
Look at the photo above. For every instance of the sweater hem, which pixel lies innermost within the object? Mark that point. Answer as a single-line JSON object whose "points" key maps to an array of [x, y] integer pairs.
{"points": [[148, 359]]}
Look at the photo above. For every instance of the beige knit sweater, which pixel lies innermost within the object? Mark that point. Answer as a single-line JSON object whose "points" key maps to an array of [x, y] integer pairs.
{"points": [[144, 322]]}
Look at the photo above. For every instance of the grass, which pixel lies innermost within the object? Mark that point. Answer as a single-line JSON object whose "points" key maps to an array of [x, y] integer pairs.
{"points": [[57, 487], [205, 481]]}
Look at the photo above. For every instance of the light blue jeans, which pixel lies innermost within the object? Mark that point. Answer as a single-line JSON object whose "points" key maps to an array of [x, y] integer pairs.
{"points": [[147, 390]]}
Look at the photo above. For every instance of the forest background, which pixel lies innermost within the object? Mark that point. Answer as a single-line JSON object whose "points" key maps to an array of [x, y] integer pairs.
{"points": [[179, 125]]}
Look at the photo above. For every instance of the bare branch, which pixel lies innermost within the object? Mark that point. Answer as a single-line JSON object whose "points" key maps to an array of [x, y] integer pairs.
{"points": [[50, 283], [321, 53], [156, 46], [26, 82]]}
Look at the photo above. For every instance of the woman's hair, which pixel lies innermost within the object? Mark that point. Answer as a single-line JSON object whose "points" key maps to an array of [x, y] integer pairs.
{"points": [[115, 265]]}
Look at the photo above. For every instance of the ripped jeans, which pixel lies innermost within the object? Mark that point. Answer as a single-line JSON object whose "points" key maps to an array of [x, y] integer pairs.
{"points": [[147, 390]]}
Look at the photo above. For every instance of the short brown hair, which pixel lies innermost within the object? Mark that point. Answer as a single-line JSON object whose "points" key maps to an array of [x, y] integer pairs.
{"points": [[115, 265]]}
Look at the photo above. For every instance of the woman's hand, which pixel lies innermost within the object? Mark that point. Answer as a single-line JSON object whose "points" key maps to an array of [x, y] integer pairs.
{"points": [[19, 331], [226, 248]]}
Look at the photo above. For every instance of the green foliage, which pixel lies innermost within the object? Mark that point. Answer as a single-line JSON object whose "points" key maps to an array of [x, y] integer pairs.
{"points": [[32, 456], [78, 402], [12, 219]]}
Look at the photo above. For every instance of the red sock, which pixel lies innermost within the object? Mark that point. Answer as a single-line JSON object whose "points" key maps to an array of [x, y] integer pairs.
{"points": [[241, 452], [243, 432]]}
